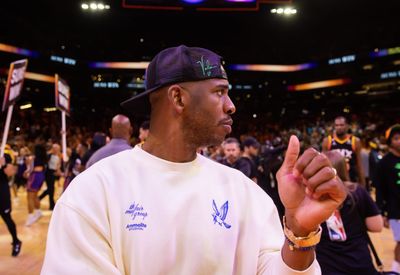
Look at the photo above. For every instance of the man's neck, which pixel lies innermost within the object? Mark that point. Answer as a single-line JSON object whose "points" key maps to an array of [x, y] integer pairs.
{"points": [[170, 147]]}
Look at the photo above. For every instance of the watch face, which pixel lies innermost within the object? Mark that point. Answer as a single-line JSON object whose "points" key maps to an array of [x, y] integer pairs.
{"points": [[336, 230]]}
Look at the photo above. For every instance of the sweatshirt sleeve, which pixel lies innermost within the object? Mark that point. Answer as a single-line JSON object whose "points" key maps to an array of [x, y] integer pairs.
{"points": [[270, 259], [76, 246]]}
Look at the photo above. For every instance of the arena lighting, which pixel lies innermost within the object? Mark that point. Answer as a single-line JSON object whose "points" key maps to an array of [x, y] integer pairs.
{"points": [[384, 52], [50, 109], [94, 6], [119, 65], [26, 106], [272, 68], [343, 59], [39, 77], [319, 84], [193, 1], [241, 1], [284, 11], [21, 51]]}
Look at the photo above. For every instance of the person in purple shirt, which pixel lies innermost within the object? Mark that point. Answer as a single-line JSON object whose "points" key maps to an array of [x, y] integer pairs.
{"points": [[121, 131]]}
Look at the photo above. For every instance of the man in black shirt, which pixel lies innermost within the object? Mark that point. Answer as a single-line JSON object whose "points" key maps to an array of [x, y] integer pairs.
{"points": [[388, 188], [7, 170], [251, 148], [232, 157]]}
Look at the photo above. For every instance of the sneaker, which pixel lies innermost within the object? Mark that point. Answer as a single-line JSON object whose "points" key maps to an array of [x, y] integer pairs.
{"points": [[16, 248], [30, 220]]}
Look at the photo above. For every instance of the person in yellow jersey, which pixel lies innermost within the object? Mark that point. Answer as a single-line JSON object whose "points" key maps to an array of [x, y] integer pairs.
{"points": [[348, 146]]}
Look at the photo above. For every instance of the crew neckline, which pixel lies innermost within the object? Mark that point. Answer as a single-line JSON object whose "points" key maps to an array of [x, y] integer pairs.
{"points": [[160, 163]]}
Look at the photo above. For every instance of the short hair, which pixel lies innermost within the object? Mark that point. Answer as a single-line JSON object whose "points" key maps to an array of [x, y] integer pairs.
{"points": [[145, 125], [342, 117], [231, 140]]}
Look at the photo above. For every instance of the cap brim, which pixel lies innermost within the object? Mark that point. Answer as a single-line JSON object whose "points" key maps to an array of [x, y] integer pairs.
{"points": [[138, 104]]}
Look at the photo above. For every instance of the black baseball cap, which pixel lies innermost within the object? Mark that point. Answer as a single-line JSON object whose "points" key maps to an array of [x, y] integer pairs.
{"points": [[250, 141], [175, 65]]}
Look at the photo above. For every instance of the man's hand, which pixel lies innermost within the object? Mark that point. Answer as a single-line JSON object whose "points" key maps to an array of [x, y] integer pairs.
{"points": [[309, 188]]}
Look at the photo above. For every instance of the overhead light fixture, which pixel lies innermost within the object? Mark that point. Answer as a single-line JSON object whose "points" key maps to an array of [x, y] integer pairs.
{"points": [[50, 109], [94, 6], [26, 106], [284, 11]]}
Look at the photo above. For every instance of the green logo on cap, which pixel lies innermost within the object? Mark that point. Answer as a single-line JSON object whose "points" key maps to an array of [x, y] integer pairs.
{"points": [[206, 67]]}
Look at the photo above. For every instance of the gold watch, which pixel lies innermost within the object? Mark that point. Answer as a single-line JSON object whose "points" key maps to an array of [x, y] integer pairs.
{"points": [[301, 243]]}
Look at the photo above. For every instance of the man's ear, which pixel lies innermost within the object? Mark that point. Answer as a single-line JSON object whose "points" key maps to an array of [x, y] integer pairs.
{"points": [[177, 97]]}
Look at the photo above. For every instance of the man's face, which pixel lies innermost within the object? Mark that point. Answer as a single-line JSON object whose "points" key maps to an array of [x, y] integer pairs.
{"points": [[395, 142], [341, 127], [207, 114], [253, 151], [232, 152]]}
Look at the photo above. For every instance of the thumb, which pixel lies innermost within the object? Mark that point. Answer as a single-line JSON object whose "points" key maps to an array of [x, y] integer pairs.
{"points": [[291, 156]]}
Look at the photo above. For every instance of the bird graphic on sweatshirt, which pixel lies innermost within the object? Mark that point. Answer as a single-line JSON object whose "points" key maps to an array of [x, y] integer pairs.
{"points": [[220, 215]]}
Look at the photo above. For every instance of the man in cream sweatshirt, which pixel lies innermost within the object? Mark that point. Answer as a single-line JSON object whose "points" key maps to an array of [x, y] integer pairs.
{"points": [[160, 208]]}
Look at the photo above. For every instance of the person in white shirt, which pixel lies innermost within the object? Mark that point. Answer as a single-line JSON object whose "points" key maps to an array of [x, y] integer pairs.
{"points": [[161, 208]]}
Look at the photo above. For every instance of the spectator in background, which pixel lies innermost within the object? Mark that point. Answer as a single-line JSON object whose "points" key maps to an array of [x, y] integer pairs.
{"points": [[74, 164], [52, 171], [251, 148], [233, 157], [121, 131], [271, 159], [20, 180], [7, 170], [349, 146], [343, 248], [36, 168], [99, 140], [374, 157], [387, 180], [144, 131]]}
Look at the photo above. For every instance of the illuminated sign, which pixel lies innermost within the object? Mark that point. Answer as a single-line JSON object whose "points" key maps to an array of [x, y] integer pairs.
{"points": [[319, 84], [136, 85], [119, 65], [271, 68], [343, 59], [16, 50], [110, 85], [393, 74], [385, 52], [65, 60]]}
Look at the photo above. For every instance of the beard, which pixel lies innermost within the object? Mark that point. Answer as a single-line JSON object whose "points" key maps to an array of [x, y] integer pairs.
{"points": [[200, 129]]}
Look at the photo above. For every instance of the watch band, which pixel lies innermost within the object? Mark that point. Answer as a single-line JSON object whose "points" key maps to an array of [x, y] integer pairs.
{"points": [[302, 243]]}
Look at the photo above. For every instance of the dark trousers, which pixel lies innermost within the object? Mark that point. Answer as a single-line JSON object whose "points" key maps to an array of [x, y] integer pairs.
{"points": [[50, 179], [10, 225]]}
